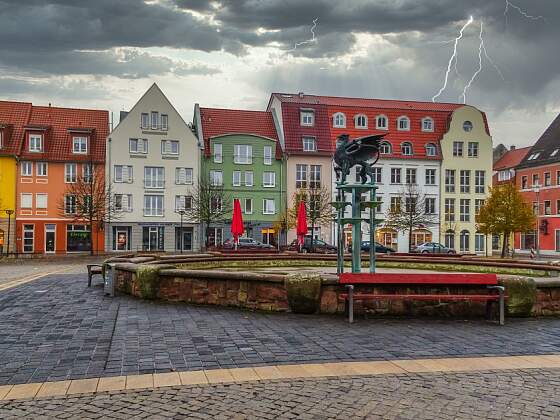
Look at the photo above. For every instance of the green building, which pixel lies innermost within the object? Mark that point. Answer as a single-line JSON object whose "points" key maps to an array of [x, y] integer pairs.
{"points": [[243, 154]]}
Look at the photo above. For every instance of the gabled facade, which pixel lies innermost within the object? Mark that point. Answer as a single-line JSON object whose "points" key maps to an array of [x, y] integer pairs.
{"points": [[538, 179], [58, 146], [152, 164], [504, 169], [242, 153]]}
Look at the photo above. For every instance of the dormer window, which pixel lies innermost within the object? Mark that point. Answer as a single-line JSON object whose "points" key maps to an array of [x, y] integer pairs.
{"points": [[427, 124], [339, 120], [431, 149], [403, 124], [145, 121], [155, 118], [309, 144], [385, 148], [79, 145], [382, 122], [35, 143], [360, 121], [307, 118], [406, 149]]}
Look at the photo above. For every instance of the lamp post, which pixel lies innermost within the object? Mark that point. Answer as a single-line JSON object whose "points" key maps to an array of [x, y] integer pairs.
{"points": [[9, 213], [537, 189], [181, 213]]}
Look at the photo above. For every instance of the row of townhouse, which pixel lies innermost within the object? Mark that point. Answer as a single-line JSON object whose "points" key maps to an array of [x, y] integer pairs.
{"points": [[152, 161], [535, 171]]}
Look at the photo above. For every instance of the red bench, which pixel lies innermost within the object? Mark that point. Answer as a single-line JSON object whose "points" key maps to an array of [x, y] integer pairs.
{"points": [[495, 292]]}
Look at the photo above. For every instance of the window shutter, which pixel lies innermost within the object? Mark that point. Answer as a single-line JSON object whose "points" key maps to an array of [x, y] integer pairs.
{"points": [[182, 176], [125, 173], [124, 202]]}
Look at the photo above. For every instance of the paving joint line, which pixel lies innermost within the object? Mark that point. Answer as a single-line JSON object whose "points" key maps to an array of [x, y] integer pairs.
{"points": [[24, 280]]}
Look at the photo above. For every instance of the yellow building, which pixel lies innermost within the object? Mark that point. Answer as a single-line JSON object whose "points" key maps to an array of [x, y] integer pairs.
{"points": [[466, 176], [7, 201]]}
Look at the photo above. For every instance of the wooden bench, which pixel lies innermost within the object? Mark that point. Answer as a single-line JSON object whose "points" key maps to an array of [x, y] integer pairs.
{"points": [[93, 269], [495, 292]]}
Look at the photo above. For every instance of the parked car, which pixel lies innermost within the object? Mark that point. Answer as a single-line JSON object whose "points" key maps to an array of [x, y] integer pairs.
{"points": [[247, 243], [319, 246], [433, 248], [379, 248]]}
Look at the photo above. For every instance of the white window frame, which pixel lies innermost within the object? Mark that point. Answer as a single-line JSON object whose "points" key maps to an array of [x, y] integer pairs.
{"points": [[408, 145], [249, 178], [147, 121], [361, 118], [25, 165], [164, 117], [265, 209], [154, 177], [80, 141], [240, 158], [34, 140], [188, 176], [458, 149], [433, 147], [151, 210], [269, 179], [378, 119], [406, 127], [40, 166], [430, 176], [129, 174], [247, 200], [307, 117], [430, 205], [26, 201], [88, 171], [339, 120], [425, 126], [218, 155], [167, 147], [141, 146], [236, 179], [70, 173], [28, 248], [301, 175], [383, 146], [181, 202], [267, 152], [39, 203], [123, 208], [70, 206], [156, 115], [309, 143], [396, 176], [216, 175], [476, 149]]}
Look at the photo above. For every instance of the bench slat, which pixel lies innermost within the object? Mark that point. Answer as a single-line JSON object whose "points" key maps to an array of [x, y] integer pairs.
{"points": [[419, 278], [359, 296]]}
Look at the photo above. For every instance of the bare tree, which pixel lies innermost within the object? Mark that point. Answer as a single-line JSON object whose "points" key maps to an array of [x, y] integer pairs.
{"points": [[211, 203], [417, 212], [87, 200]]}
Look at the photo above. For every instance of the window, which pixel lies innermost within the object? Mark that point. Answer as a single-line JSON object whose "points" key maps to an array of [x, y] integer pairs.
{"points": [[301, 176], [339, 120], [464, 210], [478, 204], [169, 147], [536, 180], [79, 145], [153, 205], [410, 175], [183, 202], [28, 237], [26, 168], [406, 149], [385, 148], [450, 239], [524, 182], [70, 204], [430, 177], [430, 204], [123, 173], [528, 240], [547, 207], [145, 120], [505, 175], [138, 146], [479, 242], [35, 143], [547, 179], [269, 179], [458, 148], [26, 200], [360, 121], [216, 178], [123, 202], [42, 169], [1, 138], [243, 154], [554, 152], [155, 118], [395, 204], [70, 170], [479, 181], [154, 177], [427, 124], [248, 206], [403, 124], [449, 209], [218, 153], [450, 180], [535, 208], [557, 206], [164, 122], [431, 149], [534, 156], [465, 181], [309, 144], [468, 126], [267, 151], [381, 122], [307, 118], [153, 238], [215, 236], [216, 203], [377, 174], [472, 149], [410, 204], [315, 178], [558, 178], [268, 206], [87, 173], [184, 176], [236, 178], [395, 175], [464, 240], [248, 178]]}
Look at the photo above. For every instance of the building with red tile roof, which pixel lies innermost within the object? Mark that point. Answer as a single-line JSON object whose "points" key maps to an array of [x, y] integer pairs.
{"points": [[504, 167]]}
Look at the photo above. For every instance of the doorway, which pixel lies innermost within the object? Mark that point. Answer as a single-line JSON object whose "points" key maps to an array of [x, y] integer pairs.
{"points": [[50, 238]]}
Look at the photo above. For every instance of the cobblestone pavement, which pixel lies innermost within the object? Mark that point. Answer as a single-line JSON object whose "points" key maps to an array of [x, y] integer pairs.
{"points": [[23, 268], [520, 394], [56, 328]]}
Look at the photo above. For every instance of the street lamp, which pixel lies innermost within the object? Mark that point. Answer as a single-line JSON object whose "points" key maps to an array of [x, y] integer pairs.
{"points": [[181, 213], [537, 189], [9, 213]]}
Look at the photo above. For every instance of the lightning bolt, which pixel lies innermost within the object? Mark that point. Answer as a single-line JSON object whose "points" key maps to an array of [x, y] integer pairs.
{"points": [[309, 41], [521, 11], [453, 58], [477, 72]]}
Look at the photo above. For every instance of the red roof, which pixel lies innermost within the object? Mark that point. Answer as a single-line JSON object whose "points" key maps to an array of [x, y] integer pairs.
{"points": [[511, 158], [219, 122], [13, 116]]}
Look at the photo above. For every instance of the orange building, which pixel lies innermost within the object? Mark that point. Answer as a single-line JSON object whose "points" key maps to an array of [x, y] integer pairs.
{"points": [[60, 147]]}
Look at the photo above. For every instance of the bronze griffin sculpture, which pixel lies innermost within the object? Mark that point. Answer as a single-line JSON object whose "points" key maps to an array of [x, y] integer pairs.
{"points": [[350, 153]]}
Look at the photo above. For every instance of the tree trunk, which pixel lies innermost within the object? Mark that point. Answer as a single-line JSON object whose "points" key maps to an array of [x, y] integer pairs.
{"points": [[410, 239], [312, 235], [504, 243]]}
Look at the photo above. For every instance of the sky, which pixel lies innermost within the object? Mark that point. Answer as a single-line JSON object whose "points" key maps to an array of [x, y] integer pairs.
{"points": [[104, 54]]}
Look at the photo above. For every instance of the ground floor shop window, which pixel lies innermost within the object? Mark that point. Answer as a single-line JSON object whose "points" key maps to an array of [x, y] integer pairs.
{"points": [[186, 239], [153, 238], [464, 239], [78, 238], [121, 238], [215, 236], [420, 236], [316, 232], [269, 236], [450, 239], [479, 242], [496, 242], [28, 237], [2, 238], [528, 240], [387, 237]]}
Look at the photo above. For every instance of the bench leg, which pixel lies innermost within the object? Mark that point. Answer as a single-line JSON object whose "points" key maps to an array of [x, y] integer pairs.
{"points": [[350, 303], [502, 309], [89, 280]]}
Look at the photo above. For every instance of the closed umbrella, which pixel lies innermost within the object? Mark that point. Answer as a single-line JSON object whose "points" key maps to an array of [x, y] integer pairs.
{"points": [[301, 224], [236, 222]]}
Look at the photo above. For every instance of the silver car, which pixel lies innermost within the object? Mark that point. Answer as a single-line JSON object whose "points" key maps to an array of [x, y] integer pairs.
{"points": [[433, 248]]}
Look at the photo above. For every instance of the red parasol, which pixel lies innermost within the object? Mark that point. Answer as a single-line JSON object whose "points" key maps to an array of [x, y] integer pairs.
{"points": [[236, 222], [301, 223]]}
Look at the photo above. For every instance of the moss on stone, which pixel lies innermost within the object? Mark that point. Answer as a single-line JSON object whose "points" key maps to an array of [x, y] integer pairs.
{"points": [[522, 295], [304, 292], [147, 277]]}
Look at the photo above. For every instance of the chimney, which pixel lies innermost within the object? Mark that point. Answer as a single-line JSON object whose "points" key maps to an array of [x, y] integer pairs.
{"points": [[511, 147], [301, 95]]}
